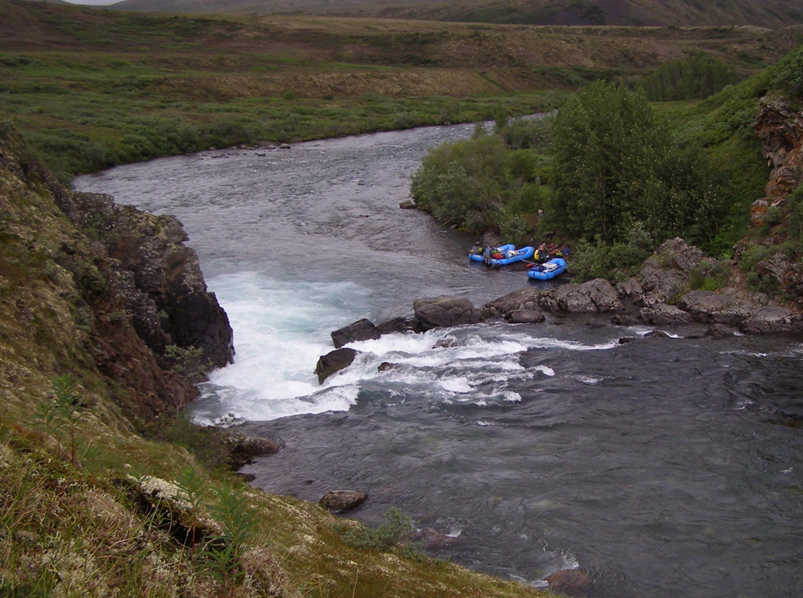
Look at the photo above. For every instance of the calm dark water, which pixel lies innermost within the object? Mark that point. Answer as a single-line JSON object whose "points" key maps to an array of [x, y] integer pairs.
{"points": [[664, 466]]}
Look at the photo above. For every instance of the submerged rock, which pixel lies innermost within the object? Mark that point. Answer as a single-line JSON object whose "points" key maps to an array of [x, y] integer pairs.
{"points": [[573, 582], [244, 448], [334, 361], [342, 500]]}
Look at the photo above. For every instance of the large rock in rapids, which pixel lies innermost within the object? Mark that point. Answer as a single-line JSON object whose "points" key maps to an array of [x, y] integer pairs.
{"points": [[445, 311], [361, 330], [334, 361]]}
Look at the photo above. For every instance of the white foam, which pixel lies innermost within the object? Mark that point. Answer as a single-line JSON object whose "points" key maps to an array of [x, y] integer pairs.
{"points": [[280, 332], [282, 328]]}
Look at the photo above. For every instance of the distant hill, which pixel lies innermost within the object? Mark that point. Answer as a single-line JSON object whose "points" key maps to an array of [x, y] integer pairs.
{"points": [[764, 13]]}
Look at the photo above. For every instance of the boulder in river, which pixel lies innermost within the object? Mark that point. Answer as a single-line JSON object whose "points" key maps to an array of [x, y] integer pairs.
{"points": [[361, 330], [342, 500], [663, 314], [445, 311], [243, 449], [334, 361], [573, 582], [400, 324], [593, 296]]}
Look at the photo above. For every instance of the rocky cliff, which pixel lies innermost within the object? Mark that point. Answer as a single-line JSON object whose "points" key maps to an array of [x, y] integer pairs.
{"points": [[779, 125], [110, 289]]}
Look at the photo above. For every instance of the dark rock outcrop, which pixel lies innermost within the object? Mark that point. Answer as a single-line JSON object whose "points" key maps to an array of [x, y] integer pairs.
{"points": [[120, 278], [523, 299], [342, 500], [665, 274], [708, 306], [445, 311], [334, 361], [361, 330], [400, 324], [719, 331], [160, 277], [772, 319], [779, 126]]}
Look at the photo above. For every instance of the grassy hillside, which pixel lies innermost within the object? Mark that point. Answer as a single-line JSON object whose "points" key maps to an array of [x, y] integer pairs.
{"points": [[90, 88], [764, 13]]}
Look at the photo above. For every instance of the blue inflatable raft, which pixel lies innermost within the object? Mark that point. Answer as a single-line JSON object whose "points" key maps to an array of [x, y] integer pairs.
{"points": [[548, 270], [510, 254]]}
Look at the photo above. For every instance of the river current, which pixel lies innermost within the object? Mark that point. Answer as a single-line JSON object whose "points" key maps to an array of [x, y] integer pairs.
{"points": [[663, 466]]}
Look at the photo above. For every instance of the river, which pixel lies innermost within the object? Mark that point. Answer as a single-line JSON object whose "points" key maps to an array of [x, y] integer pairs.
{"points": [[662, 467]]}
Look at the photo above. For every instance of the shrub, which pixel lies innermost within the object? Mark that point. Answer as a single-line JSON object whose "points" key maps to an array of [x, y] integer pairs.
{"points": [[522, 133], [608, 146], [463, 184], [395, 529], [615, 165], [697, 76], [787, 75]]}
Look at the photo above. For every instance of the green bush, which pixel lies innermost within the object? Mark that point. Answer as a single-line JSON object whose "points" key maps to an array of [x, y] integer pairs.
{"points": [[616, 261], [463, 184], [522, 133], [787, 75], [395, 529], [615, 164], [697, 76]]}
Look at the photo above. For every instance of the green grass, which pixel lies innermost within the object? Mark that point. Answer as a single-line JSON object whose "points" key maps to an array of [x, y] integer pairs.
{"points": [[90, 88]]}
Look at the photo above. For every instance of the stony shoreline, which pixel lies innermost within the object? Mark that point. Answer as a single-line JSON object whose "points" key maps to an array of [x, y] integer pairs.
{"points": [[661, 294]]}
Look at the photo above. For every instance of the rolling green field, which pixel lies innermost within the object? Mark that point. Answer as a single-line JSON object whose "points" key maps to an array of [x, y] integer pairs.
{"points": [[91, 88]]}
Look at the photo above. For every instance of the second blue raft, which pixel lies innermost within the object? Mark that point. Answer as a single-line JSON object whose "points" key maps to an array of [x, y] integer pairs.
{"points": [[510, 253], [548, 270]]}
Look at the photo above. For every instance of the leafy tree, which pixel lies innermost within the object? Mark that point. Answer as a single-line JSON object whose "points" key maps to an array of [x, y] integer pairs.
{"points": [[616, 166], [696, 76], [463, 183], [608, 147]]}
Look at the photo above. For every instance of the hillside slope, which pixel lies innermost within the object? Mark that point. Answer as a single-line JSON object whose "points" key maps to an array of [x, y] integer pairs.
{"points": [[766, 13]]}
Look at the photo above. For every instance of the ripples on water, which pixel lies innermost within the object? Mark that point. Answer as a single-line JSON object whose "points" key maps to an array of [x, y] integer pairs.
{"points": [[665, 466]]}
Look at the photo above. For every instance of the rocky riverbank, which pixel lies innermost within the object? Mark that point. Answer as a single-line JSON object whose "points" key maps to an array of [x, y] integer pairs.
{"points": [[665, 292]]}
